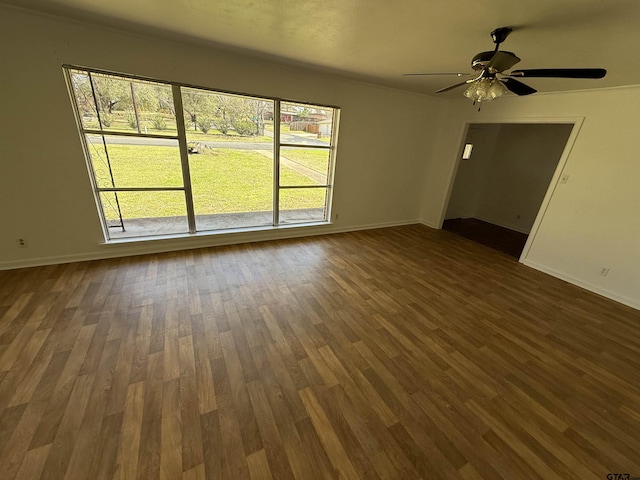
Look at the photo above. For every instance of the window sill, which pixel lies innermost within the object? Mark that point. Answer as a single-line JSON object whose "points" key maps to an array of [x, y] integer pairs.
{"points": [[230, 232]]}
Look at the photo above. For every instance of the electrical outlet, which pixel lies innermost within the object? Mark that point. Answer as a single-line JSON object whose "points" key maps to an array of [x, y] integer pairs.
{"points": [[22, 243], [604, 271]]}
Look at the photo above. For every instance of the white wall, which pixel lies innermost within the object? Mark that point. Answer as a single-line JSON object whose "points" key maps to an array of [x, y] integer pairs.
{"points": [[593, 220], [508, 175], [472, 174], [385, 136]]}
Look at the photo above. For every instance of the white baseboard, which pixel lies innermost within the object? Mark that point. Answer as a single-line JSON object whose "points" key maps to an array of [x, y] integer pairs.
{"points": [[633, 303], [430, 224], [160, 245]]}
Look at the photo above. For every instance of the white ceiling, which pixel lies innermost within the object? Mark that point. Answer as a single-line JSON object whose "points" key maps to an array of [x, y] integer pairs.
{"points": [[379, 40]]}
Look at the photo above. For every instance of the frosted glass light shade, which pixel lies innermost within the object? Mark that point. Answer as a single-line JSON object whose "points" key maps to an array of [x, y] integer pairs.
{"points": [[485, 89]]}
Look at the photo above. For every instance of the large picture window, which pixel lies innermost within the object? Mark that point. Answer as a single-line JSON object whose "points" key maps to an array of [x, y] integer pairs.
{"points": [[166, 158]]}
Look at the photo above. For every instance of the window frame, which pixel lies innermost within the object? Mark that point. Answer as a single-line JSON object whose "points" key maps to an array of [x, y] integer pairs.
{"points": [[181, 138]]}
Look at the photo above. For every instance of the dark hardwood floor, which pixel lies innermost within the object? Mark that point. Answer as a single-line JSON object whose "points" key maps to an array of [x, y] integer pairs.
{"points": [[400, 353], [493, 236]]}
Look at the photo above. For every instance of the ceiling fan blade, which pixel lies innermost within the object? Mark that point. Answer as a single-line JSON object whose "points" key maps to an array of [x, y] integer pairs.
{"points": [[451, 87], [502, 61], [438, 73], [518, 87], [561, 73]]}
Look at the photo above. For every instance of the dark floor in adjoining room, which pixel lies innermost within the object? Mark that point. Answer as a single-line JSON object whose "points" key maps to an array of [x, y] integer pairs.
{"points": [[493, 236]]}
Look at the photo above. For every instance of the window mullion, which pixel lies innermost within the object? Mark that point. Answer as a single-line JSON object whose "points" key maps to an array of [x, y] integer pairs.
{"points": [[332, 165], [298, 187], [303, 145], [184, 157], [140, 189], [91, 131], [276, 162]]}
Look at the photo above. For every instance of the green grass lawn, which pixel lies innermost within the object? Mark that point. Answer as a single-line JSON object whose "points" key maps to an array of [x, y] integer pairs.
{"points": [[223, 181], [313, 158]]}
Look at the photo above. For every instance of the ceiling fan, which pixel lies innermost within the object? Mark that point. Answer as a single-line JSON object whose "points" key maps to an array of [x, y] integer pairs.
{"points": [[490, 80]]}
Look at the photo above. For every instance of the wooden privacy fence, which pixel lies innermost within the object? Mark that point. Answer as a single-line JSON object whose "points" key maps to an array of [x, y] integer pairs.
{"points": [[304, 127]]}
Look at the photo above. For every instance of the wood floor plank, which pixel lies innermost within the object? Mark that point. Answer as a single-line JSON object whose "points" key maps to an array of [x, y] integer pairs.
{"points": [[149, 455], [212, 448], [377, 452], [397, 353], [89, 440], [171, 440], [285, 421], [524, 448], [326, 432], [15, 308], [129, 445], [259, 466], [67, 433], [234, 456], [246, 417], [278, 464], [204, 376], [196, 473], [189, 406], [57, 399], [33, 463], [107, 450]]}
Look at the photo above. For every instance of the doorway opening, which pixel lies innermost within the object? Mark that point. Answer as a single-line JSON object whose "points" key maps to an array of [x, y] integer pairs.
{"points": [[501, 181]]}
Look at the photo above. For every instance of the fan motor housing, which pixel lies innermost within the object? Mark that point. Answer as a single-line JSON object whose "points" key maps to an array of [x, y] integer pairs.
{"points": [[480, 61]]}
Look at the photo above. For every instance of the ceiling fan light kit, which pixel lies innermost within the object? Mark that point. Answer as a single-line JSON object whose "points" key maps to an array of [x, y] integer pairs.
{"points": [[485, 89], [492, 81]]}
